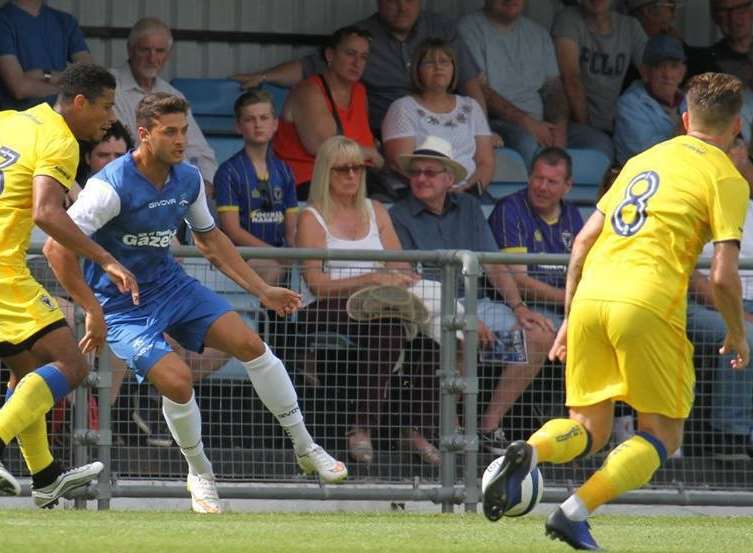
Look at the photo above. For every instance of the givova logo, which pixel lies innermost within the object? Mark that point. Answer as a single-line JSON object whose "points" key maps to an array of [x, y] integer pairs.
{"points": [[154, 239]]}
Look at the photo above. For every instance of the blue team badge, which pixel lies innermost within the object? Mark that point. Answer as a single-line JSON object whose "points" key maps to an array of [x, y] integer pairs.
{"points": [[537, 235], [183, 202], [47, 302], [567, 240], [277, 194], [255, 193]]}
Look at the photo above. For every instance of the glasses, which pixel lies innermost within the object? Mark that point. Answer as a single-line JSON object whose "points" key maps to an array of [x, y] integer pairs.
{"points": [[428, 173], [344, 170], [435, 63]]}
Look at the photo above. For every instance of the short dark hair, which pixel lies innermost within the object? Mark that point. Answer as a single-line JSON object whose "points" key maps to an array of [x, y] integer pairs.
{"points": [[118, 131], [154, 105], [252, 97], [553, 155], [339, 36], [714, 99], [87, 79]]}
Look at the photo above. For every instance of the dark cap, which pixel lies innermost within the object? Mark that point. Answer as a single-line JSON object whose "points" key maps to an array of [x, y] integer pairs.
{"points": [[661, 48]]}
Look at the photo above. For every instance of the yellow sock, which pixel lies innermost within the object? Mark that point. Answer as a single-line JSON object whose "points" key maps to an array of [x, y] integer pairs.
{"points": [[629, 466], [30, 401], [35, 446], [560, 441]]}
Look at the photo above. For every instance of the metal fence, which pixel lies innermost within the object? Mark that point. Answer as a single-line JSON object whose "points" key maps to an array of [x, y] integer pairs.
{"points": [[421, 393]]}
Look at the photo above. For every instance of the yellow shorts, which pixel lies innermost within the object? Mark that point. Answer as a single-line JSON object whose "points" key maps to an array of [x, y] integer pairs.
{"points": [[621, 351], [25, 306]]}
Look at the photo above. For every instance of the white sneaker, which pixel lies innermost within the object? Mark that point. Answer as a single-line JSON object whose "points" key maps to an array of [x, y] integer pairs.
{"points": [[8, 483], [204, 498], [47, 497], [318, 461]]}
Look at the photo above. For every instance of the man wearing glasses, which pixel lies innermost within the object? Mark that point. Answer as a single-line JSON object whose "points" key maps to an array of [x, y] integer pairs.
{"points": [[732, 54], [433, 218]]}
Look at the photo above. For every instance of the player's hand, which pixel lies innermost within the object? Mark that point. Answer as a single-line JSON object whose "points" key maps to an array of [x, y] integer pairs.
{"points": [[123, 279], [96, 330], [558, 351], [738, 346], [527, 319], [281, 300]]}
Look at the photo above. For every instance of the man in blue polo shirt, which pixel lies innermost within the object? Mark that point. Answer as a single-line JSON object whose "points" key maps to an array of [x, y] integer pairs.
{"points": [[537, 219], [255, 191], [36, 44]]}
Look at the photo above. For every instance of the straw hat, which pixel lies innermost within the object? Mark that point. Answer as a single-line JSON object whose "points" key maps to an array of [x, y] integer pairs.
{"points": [[437, 149], [387, 302]]}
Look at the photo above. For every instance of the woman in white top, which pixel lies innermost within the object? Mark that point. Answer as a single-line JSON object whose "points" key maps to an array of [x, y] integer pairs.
{"points": [[339, 216], [433, 110]]}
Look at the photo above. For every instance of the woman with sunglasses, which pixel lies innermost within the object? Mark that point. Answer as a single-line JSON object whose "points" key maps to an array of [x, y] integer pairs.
{"points": [[435, 110], [339, 216], [328, 104]]}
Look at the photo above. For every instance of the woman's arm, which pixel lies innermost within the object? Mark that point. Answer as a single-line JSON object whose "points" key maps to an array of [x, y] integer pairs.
{"points": [[484, 158]]}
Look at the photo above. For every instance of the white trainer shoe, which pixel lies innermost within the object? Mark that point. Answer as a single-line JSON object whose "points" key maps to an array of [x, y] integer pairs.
{"points": [[204, 498], [8, 483], [48, 496], [318, 461]]}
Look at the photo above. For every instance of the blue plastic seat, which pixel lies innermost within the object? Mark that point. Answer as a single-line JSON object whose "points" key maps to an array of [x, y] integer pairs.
{"points": [[278, 93], [211, 102], [589, 167], [509, 166], [224, 146]]}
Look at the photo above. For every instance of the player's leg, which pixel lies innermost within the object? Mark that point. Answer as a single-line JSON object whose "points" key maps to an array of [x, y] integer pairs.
{"points": [[50, 481], [591, 369], [272, 383], [657, 379], [63, 369]]}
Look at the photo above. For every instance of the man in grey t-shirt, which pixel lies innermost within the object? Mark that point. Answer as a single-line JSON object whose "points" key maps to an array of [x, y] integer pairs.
{"points": [[397, 29], [524, 93], [595, 45]]}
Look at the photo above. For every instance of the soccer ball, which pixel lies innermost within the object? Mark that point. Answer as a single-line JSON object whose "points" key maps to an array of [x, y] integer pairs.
{"points": [[531, 491]]}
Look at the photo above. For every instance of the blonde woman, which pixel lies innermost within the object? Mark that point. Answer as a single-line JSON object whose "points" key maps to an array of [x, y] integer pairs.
{"points": [[339, 216]]}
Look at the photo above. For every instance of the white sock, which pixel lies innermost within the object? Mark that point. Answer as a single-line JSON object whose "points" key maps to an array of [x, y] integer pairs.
{"points": [[184, 422], [574, 508], [273, 386]]}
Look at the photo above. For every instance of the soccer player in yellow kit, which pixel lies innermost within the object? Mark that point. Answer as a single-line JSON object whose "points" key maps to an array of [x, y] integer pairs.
{"points": [[624, 334], [38, 160]]}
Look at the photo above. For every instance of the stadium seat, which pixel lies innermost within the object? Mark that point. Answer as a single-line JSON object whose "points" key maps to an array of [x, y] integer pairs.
{"points": [[509, 166], [501, 189], [278, 93], [225, 146], [589, 167], [211, 103]]}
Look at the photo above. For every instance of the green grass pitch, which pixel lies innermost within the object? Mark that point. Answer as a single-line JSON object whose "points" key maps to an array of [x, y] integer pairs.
{"points": [[152, 532]]}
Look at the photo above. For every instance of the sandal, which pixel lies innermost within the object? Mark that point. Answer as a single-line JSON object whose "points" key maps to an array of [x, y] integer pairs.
{"points": [[412, 441], [359, 446]]}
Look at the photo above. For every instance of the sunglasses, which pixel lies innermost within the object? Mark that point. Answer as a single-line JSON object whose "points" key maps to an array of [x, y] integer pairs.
{"points": [[347, 169], [428, 173]]}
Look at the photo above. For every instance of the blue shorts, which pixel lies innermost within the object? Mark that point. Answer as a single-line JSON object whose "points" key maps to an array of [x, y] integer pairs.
{"points": [[185, 310]]}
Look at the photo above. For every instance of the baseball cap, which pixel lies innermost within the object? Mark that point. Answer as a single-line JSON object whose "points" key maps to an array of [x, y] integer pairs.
{"points": [[661, 48]]}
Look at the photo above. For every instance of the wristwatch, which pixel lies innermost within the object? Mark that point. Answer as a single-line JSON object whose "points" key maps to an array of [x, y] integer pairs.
{"points": [[46, 75]]}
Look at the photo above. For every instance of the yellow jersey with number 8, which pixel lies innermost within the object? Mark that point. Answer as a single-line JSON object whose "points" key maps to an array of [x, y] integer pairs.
{"points": [[664, 206], [32, 142]]}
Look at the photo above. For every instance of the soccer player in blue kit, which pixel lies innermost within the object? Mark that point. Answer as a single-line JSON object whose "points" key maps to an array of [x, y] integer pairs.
{"points": [[133, 208]]}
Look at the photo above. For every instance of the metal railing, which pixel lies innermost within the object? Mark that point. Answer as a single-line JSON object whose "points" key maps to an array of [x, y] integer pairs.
{"points": [[329, 370]]}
